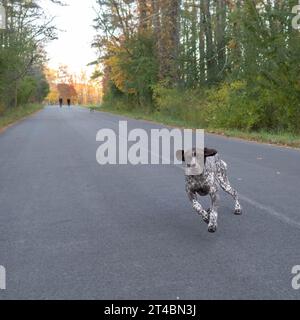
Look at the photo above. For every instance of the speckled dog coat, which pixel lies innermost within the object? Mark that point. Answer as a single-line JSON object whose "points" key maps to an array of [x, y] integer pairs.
{"points": [[213, 176]]}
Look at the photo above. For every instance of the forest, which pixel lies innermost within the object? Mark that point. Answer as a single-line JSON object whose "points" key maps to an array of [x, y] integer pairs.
{"points": [[212, 63], [24, 32]]}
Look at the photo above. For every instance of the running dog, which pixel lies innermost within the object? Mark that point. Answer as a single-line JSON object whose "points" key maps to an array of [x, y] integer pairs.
{"points": [[205, 172]]}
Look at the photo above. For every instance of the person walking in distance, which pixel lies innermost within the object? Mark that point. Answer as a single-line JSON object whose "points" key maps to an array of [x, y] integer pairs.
{"points": [[69, 102], [60, 102]]}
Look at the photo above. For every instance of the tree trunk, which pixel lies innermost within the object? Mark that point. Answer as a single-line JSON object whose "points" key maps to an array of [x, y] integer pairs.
{"points": [[143, 14], [202, 67], [210, 59], [156, 26], [220, 34], [170, 37]]}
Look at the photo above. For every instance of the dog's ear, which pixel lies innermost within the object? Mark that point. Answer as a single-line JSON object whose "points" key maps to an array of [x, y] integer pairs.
{"points": [[209, 152], [180, 155]]}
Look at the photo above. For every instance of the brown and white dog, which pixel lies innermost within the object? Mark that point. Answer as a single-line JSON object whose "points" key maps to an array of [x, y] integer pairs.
{"points": [[205, 172]]}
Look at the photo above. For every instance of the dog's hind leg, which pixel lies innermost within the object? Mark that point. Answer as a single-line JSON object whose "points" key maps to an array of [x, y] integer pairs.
{"points": [[226, 186], [197, 206], [213, 215]]}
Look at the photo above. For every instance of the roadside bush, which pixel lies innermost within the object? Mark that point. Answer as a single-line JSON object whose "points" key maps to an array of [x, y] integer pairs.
{"points": [[235, 106], [187, 105], [117, 100], [26, 90], [230, 107], [250, 108]]}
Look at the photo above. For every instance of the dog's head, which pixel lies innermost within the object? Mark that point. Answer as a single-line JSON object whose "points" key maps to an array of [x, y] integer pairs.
{"points": [[195, 159]]}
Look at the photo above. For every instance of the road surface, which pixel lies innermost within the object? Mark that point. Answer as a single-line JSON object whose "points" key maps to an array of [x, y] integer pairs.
{"points": [[72, 229]]}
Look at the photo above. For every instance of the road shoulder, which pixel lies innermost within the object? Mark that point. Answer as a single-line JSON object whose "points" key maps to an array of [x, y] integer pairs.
{"points": [[16, 116]]}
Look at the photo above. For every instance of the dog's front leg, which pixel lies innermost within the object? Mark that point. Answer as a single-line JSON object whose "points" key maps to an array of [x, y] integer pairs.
{"points": [[213, 216], [197, 206]]}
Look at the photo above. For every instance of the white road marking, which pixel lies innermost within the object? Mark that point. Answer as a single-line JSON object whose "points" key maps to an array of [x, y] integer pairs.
{"points": [[271, 211]]}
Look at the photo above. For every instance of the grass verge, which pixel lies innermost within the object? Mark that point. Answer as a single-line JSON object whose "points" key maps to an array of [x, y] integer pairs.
{"points": [[278, 138], [13, 115]]}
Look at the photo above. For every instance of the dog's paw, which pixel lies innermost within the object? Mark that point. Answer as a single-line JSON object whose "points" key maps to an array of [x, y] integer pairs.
{"points": [[212, 228], [238, 211]]}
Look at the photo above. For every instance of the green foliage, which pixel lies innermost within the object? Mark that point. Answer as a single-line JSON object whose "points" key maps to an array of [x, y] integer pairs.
{"points": [[278, 137], [178, 103], [42, 87], [142, 65], [120, 101], [133, 68], [229, 106], [26, 89], [32, 89], [268, 63], [234, 105], [22, 54], [238, 64]]}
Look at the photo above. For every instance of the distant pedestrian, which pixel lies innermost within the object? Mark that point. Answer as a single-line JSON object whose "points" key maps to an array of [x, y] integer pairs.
{"points": [[69, 102], [61, 102]]}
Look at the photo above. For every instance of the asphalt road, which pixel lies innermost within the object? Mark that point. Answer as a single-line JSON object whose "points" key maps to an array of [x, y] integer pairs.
{"points": [[72, 229]]}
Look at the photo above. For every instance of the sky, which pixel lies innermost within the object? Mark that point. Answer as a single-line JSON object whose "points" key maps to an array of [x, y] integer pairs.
{"points": [[73, 48]]}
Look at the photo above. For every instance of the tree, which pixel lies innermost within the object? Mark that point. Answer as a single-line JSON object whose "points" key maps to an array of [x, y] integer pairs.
{"points": [[27, 31], [66, 91], [169, 41], [245, 50]]}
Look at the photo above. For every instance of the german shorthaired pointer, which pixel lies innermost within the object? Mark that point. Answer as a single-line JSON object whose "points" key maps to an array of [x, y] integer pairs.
{"points": [[203, 177]]}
